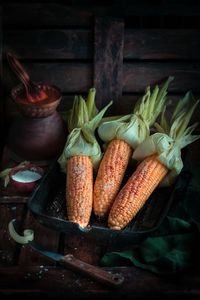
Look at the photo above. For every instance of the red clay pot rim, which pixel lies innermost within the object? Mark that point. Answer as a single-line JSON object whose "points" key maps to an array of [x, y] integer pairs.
{"points": [[19, 88]]}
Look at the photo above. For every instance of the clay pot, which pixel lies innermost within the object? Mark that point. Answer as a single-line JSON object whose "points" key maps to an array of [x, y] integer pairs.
{"points": [[39, 109], [37, 138], [40, 132]]}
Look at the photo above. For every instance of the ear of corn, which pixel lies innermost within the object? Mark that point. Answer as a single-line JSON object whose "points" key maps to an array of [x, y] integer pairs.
{"points": [[135, 193], [110, 175], [79, 188], [80, 155], [123, 135]]}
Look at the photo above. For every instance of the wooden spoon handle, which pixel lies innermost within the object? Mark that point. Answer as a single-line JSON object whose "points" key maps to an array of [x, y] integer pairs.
{"points": [[18, 69]]}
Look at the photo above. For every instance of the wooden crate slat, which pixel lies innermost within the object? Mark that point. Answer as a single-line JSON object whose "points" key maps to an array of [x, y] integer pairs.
{"points": [[127, 102], [77, 77], [162, 44], [157, 8], [49, 44], [138, 75], [108, 58], [69, 77], [8, 247], [77, 44], [194, 150], [44, 15], [43, 235], [58, 14]]}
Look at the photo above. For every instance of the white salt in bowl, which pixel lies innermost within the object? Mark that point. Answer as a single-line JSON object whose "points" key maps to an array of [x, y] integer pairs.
{"points": [[25, 178]]}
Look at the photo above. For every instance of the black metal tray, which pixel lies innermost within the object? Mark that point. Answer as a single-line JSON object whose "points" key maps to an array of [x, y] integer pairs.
{"points": [[47, 204]]}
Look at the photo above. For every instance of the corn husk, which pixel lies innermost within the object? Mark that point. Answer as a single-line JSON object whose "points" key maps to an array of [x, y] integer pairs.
{"points": [[135, 127], [171, 138], [83, 119]]}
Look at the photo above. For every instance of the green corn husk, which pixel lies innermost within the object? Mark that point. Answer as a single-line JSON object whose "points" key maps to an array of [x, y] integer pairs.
{"points": [[5, 176], [172, 136], [83, 119], [135, 127]]}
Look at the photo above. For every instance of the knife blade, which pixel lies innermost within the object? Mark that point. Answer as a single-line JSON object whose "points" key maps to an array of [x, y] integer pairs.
{"points": [[71, 262]]}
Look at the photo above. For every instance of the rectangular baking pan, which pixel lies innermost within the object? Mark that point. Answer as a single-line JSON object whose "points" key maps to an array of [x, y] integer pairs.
{"points": [[48, 205]]}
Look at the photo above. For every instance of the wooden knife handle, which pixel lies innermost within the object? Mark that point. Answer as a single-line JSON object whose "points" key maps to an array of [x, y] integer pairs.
{"points": [[94, 272]]}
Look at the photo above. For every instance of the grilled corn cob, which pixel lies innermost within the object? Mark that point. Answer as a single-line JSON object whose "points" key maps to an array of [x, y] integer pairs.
{"points": [[79, 189], [81, 154], [135, 193], [110, 174]]}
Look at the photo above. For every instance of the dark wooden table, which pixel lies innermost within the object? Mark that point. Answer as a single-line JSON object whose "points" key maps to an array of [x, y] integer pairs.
{"points": [[24, 272]]}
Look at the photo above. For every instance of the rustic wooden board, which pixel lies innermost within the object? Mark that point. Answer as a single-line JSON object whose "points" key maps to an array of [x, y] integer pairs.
{"points": [[71, 77], [61, 282], [48, 238], [194, 149], [78, 43], [161, 44], [50, 44], [83, 249], [127, 102], [44, 15], [77, 77], [108, 59], [156, 8], [80, 13], [138, 75]]}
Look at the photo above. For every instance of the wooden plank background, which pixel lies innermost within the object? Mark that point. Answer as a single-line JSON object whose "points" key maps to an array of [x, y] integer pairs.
{"points": [[76, 48]]}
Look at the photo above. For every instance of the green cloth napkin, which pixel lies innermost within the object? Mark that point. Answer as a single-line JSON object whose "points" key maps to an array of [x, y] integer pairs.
{"points": [[175, 245]]}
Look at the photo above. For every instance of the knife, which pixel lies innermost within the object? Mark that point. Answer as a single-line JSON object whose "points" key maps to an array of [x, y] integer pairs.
{"points": [[68, 261]]}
